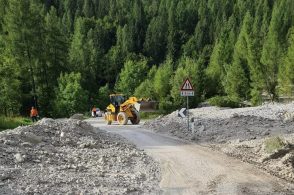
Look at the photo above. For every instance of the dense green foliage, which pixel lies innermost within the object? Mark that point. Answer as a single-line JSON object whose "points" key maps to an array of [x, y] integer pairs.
{"points": [[235, 48], [70, 98], [223, 101]]}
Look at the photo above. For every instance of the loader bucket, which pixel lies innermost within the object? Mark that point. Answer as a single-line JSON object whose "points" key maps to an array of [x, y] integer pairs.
{"points": [[150, 106]]}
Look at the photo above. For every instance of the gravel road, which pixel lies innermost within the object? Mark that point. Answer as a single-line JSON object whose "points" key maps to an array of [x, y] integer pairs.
{"points": [[194, 169]]}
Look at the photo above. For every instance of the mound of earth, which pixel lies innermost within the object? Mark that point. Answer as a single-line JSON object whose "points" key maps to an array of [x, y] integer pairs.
{"points": [[239, 132], [219, 125], [70, 157], [279, 162]]}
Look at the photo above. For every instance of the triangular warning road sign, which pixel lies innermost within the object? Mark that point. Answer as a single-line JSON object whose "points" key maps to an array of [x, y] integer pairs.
{"points": [[187, 85]]}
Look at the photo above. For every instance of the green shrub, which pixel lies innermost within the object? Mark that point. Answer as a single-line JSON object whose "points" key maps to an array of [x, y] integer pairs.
{"points": [[166, 105], [103, 97], [273, 143], [223, 101], [133, 73], [13, 122]]}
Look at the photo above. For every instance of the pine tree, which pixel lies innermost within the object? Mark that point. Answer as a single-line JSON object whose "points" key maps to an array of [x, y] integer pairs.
{"points": [[237, 83], [82, 53], [3, 7], [161, 79], [9, 84], [24, 24], [256, 41], [138, 25], [201, 37], [172, 38], [286, 76], [88, 8], [273, 49], [220, 59], [155, 42], [56, 43]]}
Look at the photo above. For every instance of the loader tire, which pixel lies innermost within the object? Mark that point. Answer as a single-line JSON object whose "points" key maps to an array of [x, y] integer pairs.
{"points": [[136, 119], [107, 118], [122, 118]]}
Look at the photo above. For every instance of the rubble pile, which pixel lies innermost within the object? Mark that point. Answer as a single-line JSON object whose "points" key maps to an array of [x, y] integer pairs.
{"points": [[239, 132], [219, 125], [71, 157]]}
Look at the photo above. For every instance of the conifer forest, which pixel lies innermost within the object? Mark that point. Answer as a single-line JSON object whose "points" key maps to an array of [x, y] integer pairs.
{"points": [[64, 56]]}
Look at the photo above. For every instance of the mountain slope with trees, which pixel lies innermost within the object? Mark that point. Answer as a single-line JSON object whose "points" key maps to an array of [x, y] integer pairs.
{"points": [[238, 49]]}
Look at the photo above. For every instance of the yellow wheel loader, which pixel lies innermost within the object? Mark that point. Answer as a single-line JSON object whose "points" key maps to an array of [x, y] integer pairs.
{"points": [[122, 110]]}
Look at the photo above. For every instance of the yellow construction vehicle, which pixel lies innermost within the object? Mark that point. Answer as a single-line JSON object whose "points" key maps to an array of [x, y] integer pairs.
{"points": [[122, 109]]}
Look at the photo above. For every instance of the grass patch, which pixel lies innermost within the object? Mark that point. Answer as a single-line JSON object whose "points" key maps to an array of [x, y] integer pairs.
{"points": [[273, 143], [13, 122], [149, 115]]}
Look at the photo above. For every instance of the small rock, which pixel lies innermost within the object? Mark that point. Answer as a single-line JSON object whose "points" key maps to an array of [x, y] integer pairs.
{"points": [[289, 116], [9, 142], [288, 158], [202, 128], [235, 115], [101, 160], [32, 138], [26, 144], [79, 123], [18, 158], [266, 132], [4, 177]]}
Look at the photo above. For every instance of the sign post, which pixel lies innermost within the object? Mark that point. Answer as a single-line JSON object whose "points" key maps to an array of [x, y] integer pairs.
{"points": [[187, 90]]}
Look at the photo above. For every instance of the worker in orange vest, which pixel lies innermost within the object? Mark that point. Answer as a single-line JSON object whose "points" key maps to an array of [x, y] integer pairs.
{"points": [[94, 111], [34, 114]]}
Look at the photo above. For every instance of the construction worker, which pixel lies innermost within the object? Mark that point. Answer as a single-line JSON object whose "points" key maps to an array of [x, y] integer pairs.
{"points": [[94, 111], [34, 114]]}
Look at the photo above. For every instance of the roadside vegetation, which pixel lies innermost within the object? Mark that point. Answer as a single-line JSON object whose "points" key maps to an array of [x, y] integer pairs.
{"points": [[13, 122], [223, 101], [273, 143]]}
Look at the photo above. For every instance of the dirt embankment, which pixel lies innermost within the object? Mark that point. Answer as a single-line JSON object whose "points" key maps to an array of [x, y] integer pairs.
{"points": [[261, 135], [70, 157]]}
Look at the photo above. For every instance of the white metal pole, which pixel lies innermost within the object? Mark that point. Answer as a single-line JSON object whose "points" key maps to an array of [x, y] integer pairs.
{"points": [[188, 111]]}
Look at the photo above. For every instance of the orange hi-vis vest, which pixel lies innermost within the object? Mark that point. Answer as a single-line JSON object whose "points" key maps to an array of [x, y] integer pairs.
{"points": [[34, 112]]}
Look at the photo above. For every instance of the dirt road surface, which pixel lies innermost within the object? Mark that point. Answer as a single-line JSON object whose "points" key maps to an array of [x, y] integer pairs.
{"points": [[194, 169]]}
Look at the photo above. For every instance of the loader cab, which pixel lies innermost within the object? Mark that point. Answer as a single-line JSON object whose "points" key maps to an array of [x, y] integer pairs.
{"points": [[116, 100]]}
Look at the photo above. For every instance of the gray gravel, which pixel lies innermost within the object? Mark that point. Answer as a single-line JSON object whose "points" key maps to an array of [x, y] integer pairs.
{"points": [[240, 133], [219, 125], [70, 157]]}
